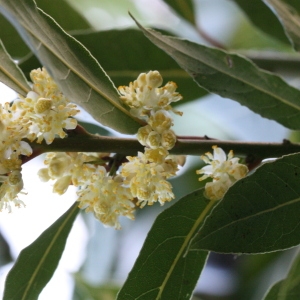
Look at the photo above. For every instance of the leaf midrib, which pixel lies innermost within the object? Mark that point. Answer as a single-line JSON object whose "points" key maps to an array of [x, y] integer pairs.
{"points": [[255, 87], [44, 257], [185, 243]]}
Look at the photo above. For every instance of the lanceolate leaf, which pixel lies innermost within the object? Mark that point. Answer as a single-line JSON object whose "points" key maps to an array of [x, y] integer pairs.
{"points": [[184, 8], [163, 269], [75, 70], [37, 263], [258, 214], [289, 19], [235, 77], [10, 74], [288, 288]]}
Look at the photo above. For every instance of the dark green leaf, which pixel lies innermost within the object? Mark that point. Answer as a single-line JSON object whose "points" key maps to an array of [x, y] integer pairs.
{"points": [[10, 74], [37, 262], [258, 214], [288, 288], [184, 8], [235, 77], [289, 19], [163, 269], [74, 69]]}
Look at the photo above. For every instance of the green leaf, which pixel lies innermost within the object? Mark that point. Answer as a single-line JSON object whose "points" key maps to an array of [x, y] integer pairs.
{"points": [[289, 19], [258, 213], [288, 288], [184, 8], [235, 77], [10, 74], [37, 262], [163, 269], [74, 69]]}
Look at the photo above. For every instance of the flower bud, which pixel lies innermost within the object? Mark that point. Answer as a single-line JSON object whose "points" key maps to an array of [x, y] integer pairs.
{"points": [[143, 133], [153, 140], [154, 79], [160, 121], [168, 139]]}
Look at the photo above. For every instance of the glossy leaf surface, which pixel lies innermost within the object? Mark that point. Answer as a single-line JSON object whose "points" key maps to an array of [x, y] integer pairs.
{"points": [[163, 270], [37, 262], [258, 214]]}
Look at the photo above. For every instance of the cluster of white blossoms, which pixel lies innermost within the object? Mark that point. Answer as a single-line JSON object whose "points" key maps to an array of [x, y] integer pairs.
{"points": [[139, 181], [147, 172], [224, 171], [98, 192], [105, 187], [144, 96], [43, 114]]}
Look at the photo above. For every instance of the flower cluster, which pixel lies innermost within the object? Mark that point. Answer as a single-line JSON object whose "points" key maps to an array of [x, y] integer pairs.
{"points": [[42, 115], [106, 187], [142, 179], [100, 193], [144, 96], [224, 171], [146, 173]]}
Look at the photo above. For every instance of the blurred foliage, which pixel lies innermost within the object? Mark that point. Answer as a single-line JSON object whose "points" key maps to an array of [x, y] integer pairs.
{"points": [[5, 256], [84, 291]]}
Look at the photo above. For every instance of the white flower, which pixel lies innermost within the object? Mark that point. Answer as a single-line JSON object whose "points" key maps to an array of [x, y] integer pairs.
{"points": [[106, 197], [47, 110], [147, 179], [224, 171], [66, 168], [144, 96], [160, 121], [10, 188]]}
